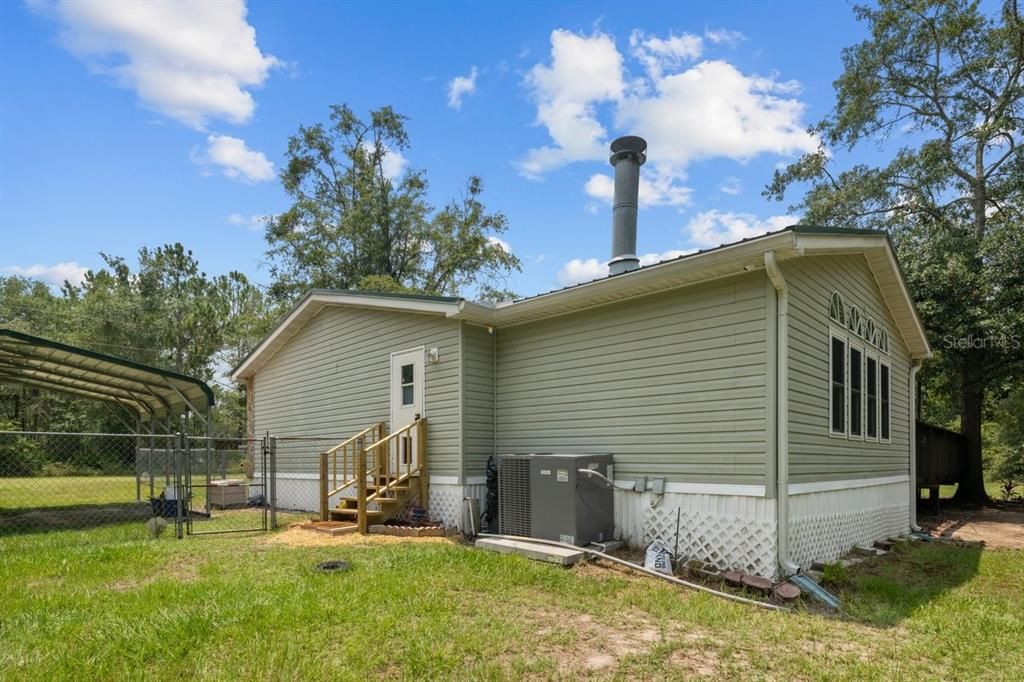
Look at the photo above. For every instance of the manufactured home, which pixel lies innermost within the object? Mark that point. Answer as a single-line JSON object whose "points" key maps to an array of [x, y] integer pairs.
{"points": [[756, 398]]}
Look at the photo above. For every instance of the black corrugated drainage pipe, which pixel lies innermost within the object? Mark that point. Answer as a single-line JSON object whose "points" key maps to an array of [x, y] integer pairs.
{"points": [[641, 569]]}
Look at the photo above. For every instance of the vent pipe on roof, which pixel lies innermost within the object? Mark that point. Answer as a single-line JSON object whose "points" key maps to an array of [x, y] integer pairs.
{"points": [[628, 154]]}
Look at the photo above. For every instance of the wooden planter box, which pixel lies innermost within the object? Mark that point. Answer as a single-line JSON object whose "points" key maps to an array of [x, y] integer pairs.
{"points": [[227, 493]]}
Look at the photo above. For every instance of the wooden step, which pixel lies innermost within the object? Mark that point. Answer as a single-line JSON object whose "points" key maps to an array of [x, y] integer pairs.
{"points": [[353, 502], [353, 514]]}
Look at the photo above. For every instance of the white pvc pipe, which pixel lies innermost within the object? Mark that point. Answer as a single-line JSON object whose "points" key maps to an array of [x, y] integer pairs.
{"points": [[912, 428], [640, 569], [781, 414]]}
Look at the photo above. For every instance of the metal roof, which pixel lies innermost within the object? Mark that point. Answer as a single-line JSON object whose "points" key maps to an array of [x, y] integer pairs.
{"points": [[147, 391], [725, 260]]}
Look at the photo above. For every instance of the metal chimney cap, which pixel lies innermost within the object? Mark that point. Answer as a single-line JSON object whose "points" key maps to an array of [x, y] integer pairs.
{"points": [[629, 146]]}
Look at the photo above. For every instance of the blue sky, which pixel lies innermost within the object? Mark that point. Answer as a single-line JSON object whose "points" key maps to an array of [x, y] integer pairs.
{"points": [[137, 124]]}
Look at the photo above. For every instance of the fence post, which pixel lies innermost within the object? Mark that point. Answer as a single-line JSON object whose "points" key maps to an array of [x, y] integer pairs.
{"points": [[323, 486], [179, 486], [272, 482], [361, 487]]}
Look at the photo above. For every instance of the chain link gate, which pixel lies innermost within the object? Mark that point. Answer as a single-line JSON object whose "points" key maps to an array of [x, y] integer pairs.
{"points": [[228, 485]]}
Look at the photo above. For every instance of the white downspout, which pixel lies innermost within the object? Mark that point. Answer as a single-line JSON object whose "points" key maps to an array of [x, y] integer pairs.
{"points": [[913, 445], [781, 413]]}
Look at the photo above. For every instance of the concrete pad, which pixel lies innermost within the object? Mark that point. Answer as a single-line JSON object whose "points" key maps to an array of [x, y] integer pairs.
{"points": [[532, 550]]}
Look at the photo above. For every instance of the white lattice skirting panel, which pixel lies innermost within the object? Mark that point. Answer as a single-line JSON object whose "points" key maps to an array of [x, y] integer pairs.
{"points": [[825, 525], [729, 531], [446, 504]]}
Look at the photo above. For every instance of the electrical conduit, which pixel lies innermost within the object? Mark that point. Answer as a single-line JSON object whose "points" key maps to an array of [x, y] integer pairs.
{"points": [[640, 569]]}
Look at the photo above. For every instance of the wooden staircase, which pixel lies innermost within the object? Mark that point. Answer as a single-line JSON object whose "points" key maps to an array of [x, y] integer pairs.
{"points": [[379, 474]]}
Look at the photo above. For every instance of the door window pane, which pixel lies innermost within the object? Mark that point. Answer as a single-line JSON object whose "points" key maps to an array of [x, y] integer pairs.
{"points": [[407, 375], [407, 396]]}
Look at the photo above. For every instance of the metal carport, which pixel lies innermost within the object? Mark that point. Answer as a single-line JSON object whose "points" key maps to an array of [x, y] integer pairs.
{"points": [[146, 393]]}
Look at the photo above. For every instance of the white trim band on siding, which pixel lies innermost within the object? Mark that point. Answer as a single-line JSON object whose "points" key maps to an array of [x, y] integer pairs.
{"points": [[444, 480], [702, 488], [827, 486]]}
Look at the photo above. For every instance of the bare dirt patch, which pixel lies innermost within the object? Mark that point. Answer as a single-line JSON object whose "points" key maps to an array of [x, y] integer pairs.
{"points": [[180, 569], [300, 537], [997, 528]]}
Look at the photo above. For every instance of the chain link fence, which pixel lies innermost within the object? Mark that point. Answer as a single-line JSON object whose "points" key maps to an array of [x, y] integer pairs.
{"points": [[194, 485], [297, 463], [60, 481]]}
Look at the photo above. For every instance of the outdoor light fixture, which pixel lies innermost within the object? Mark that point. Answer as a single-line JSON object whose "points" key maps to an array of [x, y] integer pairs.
{"points": [[433, 356]]}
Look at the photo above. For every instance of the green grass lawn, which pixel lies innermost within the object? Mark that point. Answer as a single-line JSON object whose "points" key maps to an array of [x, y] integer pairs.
{"points": [[111, 603]]}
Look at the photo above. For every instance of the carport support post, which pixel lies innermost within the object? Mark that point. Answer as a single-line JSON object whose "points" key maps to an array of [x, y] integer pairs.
{"points": [[271, 479]]}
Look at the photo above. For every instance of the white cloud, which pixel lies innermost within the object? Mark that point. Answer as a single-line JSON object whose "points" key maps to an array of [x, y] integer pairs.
{"points": [[580, 270], [687, 112], [190, 60], [658, 54], [724, 35], [54, 275], [251, 222], [714, 228], [714, 110], [659, 186], [731, 185], [461, 86], [584, 71], [500, 243], [234, 159]]}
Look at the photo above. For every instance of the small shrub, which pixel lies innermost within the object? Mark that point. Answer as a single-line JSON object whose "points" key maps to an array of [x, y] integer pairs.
{"points": [[835, 574], [20, 456]]}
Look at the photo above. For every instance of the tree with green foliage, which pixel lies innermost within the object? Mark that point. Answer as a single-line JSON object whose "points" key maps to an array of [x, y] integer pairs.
{"points": [[165, 312], [944, 83], [360, 221], [1008, 465]]}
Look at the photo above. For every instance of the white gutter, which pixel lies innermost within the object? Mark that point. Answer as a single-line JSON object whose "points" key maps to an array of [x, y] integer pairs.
{"points": [[781, 414], [912, 421]]}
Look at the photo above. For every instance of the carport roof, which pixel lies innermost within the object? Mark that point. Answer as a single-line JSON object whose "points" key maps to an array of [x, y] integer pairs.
{"points": [[147, 391]]}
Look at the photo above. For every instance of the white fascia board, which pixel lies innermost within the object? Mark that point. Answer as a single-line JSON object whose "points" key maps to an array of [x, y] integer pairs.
{"points": [[554, 303], [831, 244]]}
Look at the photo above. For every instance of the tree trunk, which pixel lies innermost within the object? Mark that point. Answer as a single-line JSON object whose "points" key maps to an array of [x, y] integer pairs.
{"points": [[972, 486]]}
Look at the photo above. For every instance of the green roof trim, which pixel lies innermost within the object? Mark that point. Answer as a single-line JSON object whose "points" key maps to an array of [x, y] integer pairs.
{"points": [[111, 359], [386, 294]]}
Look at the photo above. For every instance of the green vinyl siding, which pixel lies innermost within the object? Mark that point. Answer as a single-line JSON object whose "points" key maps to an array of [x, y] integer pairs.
{"points": [[813, 454], [671, 384], [332, 379], [478, 398]]}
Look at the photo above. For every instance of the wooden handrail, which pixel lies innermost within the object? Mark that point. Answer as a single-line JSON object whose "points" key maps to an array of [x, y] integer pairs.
{"points": [[372, 463], [416, 465], [348, 449], [362, 433], [399, 432]]}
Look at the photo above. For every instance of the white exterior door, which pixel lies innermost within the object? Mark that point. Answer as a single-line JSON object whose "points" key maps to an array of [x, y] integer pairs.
{"points": [[406, 403]]}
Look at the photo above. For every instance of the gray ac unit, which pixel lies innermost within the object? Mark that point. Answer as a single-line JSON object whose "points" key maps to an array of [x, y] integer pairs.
{"points": [[551, 497]]}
